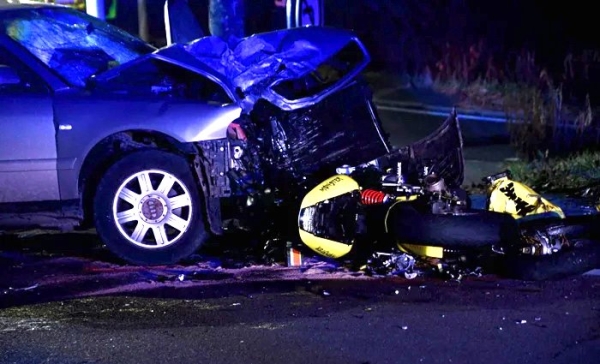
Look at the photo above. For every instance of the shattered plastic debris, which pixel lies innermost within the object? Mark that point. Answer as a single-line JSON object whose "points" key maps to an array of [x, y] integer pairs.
{"points": [[394, 263], [320, 267], [410, 275], [25, 324], [521, 322], [456, 272]]}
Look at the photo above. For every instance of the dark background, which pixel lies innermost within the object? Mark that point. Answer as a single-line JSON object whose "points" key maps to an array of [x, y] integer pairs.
{"points": [[408, 35], [551, 27]]}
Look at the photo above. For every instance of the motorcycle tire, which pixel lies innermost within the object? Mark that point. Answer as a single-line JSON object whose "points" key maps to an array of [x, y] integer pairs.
{"points": [[572, 227], [583, 231], [472, 229], [555, 266]]}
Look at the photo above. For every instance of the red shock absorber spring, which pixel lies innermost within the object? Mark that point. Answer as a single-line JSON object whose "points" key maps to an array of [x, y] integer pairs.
{"points": [[372, 197]]}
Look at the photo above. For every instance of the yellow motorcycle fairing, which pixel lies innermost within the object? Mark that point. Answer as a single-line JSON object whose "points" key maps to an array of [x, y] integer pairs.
{"points": [[519, 200], [333, 187], [422, 250]]}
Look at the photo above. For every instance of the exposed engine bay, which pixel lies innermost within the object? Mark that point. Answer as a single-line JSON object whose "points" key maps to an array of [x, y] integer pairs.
{"points": [[274, 156]]}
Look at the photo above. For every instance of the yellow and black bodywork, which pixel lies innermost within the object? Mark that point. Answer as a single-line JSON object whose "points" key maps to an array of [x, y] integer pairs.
{"points": [[317, 226], [315, 222], [517, 199], [331, 231], [504, 195]]}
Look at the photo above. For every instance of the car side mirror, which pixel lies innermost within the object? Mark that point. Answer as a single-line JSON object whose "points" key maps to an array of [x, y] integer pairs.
{"points": [[8, 76]]}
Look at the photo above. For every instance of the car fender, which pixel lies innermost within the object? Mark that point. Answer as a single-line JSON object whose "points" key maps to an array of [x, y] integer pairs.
{"points": [[83, 125]]}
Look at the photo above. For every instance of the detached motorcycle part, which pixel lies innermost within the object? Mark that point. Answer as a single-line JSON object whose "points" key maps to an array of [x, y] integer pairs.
{"points": [[472, 229], [442, 152]]}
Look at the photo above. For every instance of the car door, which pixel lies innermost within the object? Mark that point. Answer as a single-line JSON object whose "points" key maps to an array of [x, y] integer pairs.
{"points": [[28, 170]]}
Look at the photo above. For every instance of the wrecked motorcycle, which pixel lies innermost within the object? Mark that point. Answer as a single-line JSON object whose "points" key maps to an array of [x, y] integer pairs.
{"points": [[415, 209]]}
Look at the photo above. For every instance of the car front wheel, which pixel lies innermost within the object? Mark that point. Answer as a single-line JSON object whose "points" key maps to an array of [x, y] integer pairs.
{"points": [[148, 209]]}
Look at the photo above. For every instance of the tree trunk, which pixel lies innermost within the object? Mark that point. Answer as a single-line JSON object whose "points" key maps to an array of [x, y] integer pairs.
{"points": [[226, 18]]}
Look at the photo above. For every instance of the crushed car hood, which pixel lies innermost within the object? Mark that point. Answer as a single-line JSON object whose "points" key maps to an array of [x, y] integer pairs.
{"points": [[278, 66]]}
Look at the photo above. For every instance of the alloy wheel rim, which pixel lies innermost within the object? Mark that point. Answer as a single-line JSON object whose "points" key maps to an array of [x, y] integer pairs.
{"points": [[152, 209]]}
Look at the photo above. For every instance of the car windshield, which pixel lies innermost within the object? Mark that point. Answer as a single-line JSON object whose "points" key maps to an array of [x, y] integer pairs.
{"points": [[71, 43]]}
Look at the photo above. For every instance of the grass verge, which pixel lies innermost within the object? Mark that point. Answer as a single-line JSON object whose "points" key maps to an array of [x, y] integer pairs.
{"points": [[574, 172]]}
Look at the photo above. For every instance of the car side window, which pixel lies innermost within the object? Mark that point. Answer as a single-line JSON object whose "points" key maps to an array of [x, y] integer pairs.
{"points": [[16, 77]]}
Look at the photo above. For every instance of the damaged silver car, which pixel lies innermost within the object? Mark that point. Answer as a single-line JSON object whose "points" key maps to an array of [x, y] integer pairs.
{"points": [[161, 149]]}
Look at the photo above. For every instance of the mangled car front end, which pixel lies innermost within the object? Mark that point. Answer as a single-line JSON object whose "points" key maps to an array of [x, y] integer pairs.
{"points": [[158, 148]]}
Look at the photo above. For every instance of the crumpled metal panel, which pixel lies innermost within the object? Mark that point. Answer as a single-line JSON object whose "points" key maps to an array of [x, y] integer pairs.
{"points": [[443, 150], [256, 63], [341, 129]]}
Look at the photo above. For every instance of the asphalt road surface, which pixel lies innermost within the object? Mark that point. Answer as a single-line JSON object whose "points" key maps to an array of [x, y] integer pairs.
{"points": [[315, 319], [65, 299]]}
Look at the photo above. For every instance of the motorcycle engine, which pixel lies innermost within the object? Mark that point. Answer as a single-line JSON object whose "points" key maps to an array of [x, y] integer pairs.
{"points": [[431, 188], [443, 199]]}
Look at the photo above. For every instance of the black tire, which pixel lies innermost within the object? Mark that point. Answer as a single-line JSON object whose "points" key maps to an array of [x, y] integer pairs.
{"points": [[583, 256], [555, 266], [184, 240], [474, 229], [572, 227]]}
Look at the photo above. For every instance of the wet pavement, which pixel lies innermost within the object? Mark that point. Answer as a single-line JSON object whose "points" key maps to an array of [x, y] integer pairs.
{"points": [[65, 299], [74, 303]]}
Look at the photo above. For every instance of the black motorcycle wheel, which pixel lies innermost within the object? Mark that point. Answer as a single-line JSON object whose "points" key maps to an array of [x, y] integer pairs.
{"points": [[556, 266], [473, 229], [584, 255]]}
